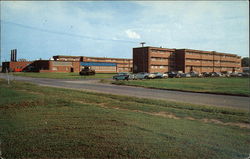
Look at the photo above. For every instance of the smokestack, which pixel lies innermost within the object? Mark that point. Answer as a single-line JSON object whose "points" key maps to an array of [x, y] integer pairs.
{"points": [[15, 53], [10, 55]]}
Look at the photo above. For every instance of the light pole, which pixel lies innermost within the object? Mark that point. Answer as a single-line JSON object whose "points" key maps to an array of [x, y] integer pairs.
{"points": [[142, 44]]}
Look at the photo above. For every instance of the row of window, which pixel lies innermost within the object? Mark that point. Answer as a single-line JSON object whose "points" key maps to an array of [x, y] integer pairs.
{"points": [[210, 67], [103, 68], [218, 56], [215, 61], [161, 66], [159, 59], [56, 68], [109, 60], [58, 63], [162, 51]]}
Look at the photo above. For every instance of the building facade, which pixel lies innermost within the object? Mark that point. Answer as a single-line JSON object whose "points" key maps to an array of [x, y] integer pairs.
{"points": [[153, 59], [207, 61], [100, 64], [15, 66]]}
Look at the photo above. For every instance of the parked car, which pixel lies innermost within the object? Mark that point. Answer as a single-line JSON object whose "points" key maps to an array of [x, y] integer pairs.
{"points": [[158, 75], [225, 74], [246, 74], [165, 75], [142, 75], [132, 77], [151, 75], [122, 76], [240, 74], [185, 75], [234, 74], [194, 74], [171, 74], [205, 74], [215, 74], [87, 71], [179, 75]]}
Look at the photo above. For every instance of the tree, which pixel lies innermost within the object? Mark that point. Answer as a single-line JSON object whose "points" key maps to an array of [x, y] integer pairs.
{"points": [[245, 62]]}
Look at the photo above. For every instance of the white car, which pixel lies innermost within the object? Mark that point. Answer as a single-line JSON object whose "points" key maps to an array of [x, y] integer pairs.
{"points": [[165, 75], [142, 75], [151, 75]]}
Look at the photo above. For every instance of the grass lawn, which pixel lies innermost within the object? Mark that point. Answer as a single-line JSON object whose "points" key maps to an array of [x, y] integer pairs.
{"points": [[58, 75], [237, 86], [44, 122]]}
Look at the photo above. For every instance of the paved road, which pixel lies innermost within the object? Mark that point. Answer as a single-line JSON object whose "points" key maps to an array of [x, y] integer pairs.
{"points": [[187, 97]]}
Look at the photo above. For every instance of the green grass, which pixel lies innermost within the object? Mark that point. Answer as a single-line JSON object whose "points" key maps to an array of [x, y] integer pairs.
{"points": [[235, 86], [60, 75], [44, 122]]}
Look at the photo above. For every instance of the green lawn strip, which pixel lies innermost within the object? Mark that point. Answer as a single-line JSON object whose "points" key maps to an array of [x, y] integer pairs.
{"points": [[148, 105], [57, 75], [238, 86], [71, 124]]}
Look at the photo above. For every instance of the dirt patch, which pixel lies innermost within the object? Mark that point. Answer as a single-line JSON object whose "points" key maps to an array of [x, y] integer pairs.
{"points": [[241, 125], [30, 92], [166, 115], [22, 104], [172, 116], [190, 118]]}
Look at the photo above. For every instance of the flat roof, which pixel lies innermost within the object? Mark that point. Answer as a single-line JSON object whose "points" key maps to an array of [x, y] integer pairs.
{"points": [[160, 48], [93, 57], [215, 52], [193, 50]]}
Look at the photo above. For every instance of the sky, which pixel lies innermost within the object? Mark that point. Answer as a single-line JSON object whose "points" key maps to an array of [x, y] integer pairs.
{"points": [[42, 29]]}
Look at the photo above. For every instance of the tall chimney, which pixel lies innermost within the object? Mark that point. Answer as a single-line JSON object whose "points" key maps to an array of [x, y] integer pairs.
{"points": [[15, 53], [11, 55]]}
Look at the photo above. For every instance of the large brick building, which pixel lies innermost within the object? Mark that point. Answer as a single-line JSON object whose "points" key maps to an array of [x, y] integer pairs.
{"points": [[100, 64], [61, 63], [154, 59], [145, 59]]}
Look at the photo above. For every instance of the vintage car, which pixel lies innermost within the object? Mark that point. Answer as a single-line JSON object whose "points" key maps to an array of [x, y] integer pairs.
{"points": [[141, 75], [86, 71], [123, 76]]}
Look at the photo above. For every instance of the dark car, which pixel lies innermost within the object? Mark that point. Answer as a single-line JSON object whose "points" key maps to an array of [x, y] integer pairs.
{"points": [[185, 75], [86, 71], [172, 74], [215, 74], [158, 75], [205, 74]]}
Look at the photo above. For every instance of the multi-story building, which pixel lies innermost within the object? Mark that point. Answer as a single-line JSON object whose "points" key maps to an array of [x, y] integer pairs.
{"points": [[206, 61], [153, 59]]}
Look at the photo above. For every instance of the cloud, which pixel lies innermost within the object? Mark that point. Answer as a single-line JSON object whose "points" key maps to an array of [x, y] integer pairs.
{"points": [[132, 34]]}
